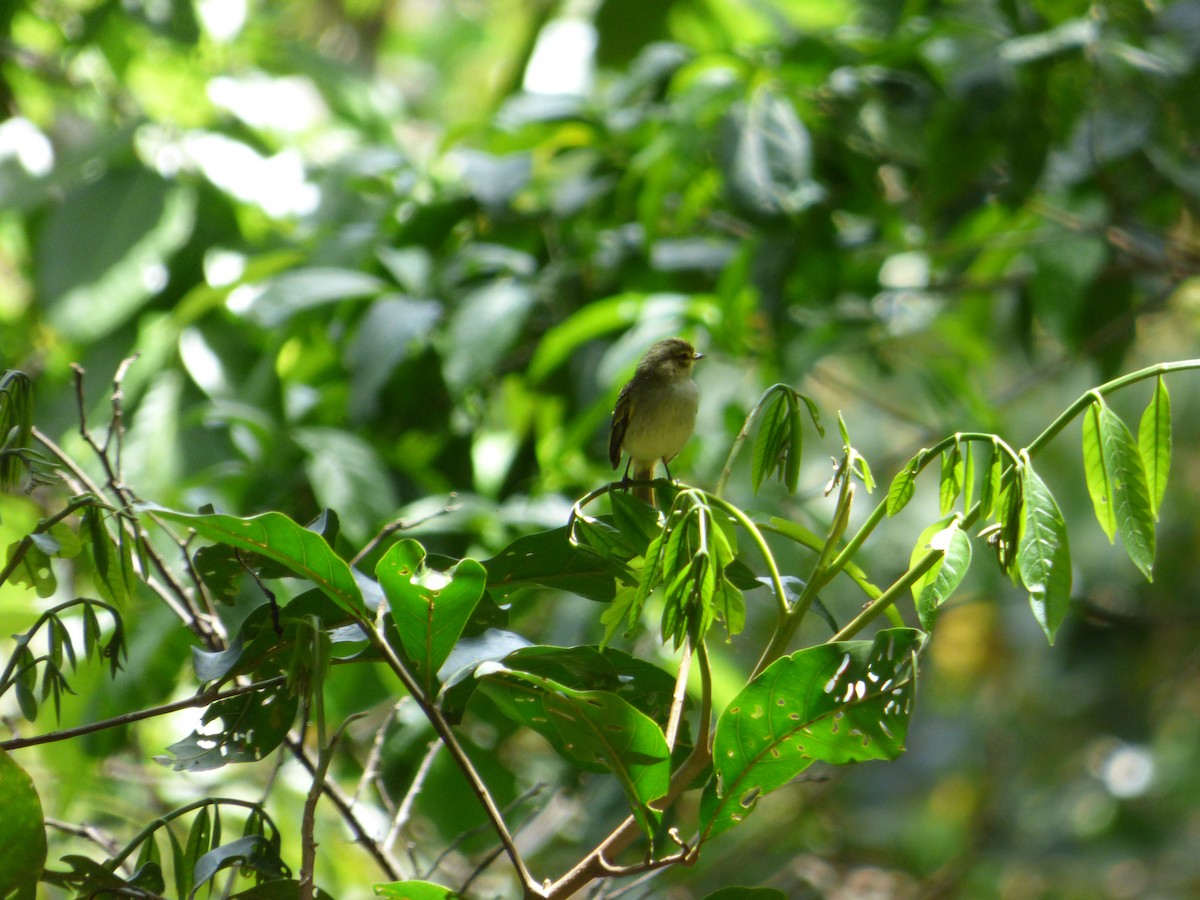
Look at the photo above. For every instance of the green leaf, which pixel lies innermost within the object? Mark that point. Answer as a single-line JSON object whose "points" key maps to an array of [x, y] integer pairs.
{"points": [[992, 480], [1043, 557], [548, 559], [951, 482], [22, 832], [346, 474], [430, 608], [642, 684], [638, 522], [933, 588], [249, 853], [146, 219], [252, 726], [415, 890], [746, 893], [903, 486], [199, 841], [278, 538], [34, 570], [779, 445], [1154, 443], [968, 478], [841, 702], [772, 443], [595, 730], [1131, 497], [1095, 470], [299, 289]]}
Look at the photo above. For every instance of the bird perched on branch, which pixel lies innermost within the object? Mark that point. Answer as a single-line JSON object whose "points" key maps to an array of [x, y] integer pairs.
{"points": [[655, 413]]}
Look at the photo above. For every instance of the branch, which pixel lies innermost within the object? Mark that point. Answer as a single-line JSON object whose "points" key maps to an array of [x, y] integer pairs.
{"points": [[404, 810], [454, 748], [389, 866], [308, 845], [203, 699]]}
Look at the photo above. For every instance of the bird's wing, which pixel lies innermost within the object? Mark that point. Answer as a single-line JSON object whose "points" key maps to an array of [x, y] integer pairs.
{"points": [[620, 422]]}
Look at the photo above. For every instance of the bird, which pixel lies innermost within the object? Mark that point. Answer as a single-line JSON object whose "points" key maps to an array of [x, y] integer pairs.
{"points": [[655, 413]]}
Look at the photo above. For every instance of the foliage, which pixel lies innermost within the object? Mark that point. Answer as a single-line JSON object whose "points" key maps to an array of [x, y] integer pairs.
{"points": [[338, 268]]}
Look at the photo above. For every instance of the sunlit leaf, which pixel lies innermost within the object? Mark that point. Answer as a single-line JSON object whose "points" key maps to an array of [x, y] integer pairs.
{"points": [[1095, 470], [933, 588], [1043, 557], [951, 482], [1154, 443], [278, 538], [772, 442], [415, 890], [839, 703], [430, 608], [1131, 497], [903, 486]]}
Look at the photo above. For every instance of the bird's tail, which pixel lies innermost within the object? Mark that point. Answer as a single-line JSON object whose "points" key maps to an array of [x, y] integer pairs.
{"points": [[644, 492]]}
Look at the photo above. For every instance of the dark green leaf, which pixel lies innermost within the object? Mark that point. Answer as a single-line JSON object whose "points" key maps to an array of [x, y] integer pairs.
{"points": [[1043, 557], [595, 730], [252, 725], [22, 831], [992, 479], [745, 893], [250, 852], [199, 842], [638, 522]]}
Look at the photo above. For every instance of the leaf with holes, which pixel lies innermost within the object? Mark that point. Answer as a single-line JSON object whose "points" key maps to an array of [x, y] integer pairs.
{"points": [[595, 730], [842, 702], [252, 725], [430, 608]]}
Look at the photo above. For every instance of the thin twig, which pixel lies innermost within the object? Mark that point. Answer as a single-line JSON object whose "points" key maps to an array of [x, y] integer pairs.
{"points": [[202, 699], [89, 833], [390, 867], [400, 525], [371, 768], [308, 844], [461, 760], [404, 810]]}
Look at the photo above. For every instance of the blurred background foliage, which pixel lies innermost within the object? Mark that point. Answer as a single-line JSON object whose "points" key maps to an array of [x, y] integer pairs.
{"points": [[395, 257]]}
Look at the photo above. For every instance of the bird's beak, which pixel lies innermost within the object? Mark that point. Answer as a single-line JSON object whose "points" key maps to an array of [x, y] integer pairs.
{"points": [[698, 356]]}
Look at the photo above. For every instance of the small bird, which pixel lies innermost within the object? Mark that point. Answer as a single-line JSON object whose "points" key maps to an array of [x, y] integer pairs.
{"points": [[656, 412]]}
